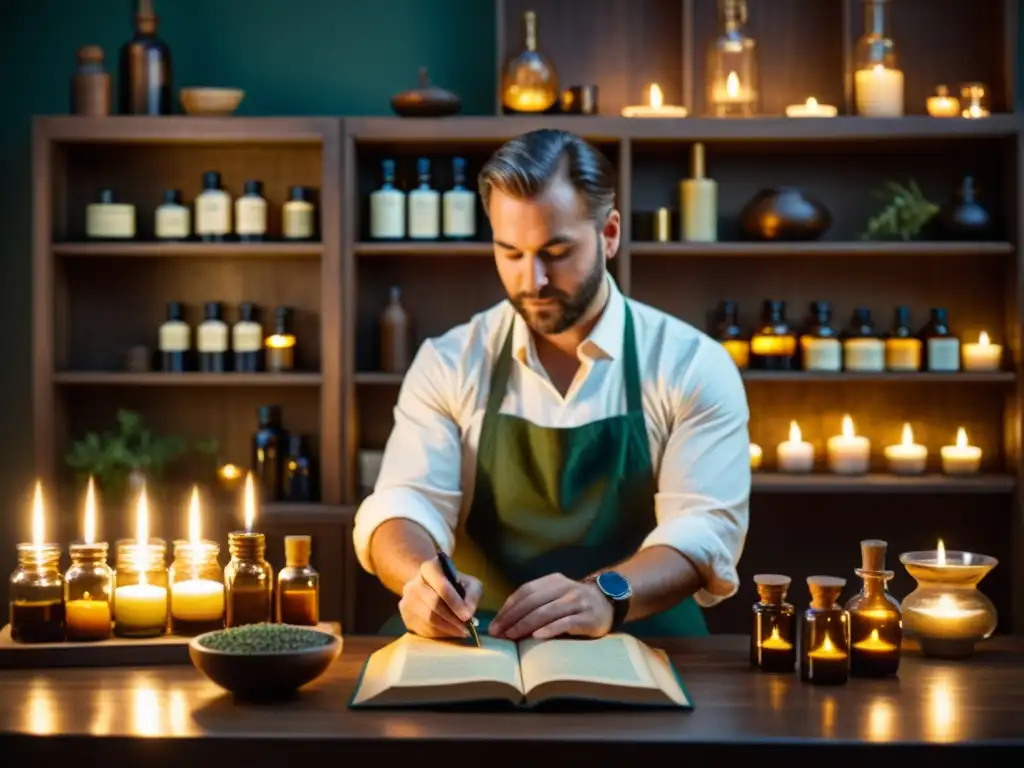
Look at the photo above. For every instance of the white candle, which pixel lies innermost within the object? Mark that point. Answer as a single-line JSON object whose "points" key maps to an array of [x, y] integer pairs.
{"points": [[735, 92], [794, 455], [879, 92], [655, 106], [848, 452], [907, 457], [142, 606], [197, 600], [756, 455], [961, 458], [811, 108], [983, 356], [942, 104]]}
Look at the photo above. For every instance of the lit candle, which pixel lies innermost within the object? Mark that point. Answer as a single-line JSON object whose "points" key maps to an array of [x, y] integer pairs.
{"points": [[961, 458], [879, 91], [87, 584], [776, 642], [848, 452], [196, 599], [942, 104], [141, 605], [229, 476], [733, 97], [795, 454], [36, 607], [983, 356], [811, 108], [974, 96], [907, 457], [874, 644], [655, 106], [756, 455], [827, 651]]}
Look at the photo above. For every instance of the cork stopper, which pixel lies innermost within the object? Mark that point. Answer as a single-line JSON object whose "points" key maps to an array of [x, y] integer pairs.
{"points": [[90, 54], [772, 587], [825, 590], [296, 551], [872, 555]]}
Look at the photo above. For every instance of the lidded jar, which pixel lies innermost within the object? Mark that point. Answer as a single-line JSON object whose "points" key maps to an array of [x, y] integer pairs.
{"points": [[89, 593], [36, 592], [249, 580], [773, 628]]}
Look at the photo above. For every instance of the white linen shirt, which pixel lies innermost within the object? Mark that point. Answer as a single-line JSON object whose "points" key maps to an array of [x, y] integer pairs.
{"points": [[693, 401]]}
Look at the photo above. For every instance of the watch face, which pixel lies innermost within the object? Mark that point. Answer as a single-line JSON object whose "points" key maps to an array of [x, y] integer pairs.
{"points": [[614, 585]]}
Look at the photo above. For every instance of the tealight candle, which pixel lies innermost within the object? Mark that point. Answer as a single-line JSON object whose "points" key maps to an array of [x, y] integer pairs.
{"points": [[942, 104], [197, 581], [733, 98], [974, 96], [89, 582], [879, 91], [906, 457], [983, 356], [140, 608], [756, 455], [795, 454], [655, 106], [961, 458], [848, 452], [811, 108]]}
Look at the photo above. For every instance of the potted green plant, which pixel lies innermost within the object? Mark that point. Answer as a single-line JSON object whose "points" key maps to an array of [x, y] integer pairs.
{"points": [[906, 213]]}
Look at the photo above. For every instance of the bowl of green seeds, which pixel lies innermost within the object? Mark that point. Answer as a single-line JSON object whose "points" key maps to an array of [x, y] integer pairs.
{"points": [[264, 660]]}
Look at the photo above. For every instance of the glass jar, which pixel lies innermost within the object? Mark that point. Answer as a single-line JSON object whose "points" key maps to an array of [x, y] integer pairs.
{"points": [[946, 612], [773, 344], [36, 594], [974, 100], [730, 334], [529, 83], [876, 625], [249, 580], [89, 593], [863, 349], [902, 347], [197, 588], [878, 84], [820, 349], [732, 65], [773, 631], [298, 585], [140, 594], [825, 640]]}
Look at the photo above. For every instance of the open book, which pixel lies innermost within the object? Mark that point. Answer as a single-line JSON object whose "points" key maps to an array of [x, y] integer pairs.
{"points": [[616, 669]]}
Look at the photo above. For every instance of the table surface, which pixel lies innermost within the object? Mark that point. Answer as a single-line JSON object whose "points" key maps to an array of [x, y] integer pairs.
{"points": [[978, 701]]}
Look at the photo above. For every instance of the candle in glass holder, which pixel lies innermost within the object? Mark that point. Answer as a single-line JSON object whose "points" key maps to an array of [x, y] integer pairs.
{"points": [[906, 457], [756, 454], [879, 91], [734, 98], [655, 106], [89, 582], [975, 103], [962, 458], [811, 108], [140, 599], [36, 593], [795, 454], [197, 582], [248, 577], [983, 356], [848, 452], [942, 104]]}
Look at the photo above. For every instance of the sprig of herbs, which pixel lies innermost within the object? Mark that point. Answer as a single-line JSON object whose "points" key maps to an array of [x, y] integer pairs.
{"points": [[905, 215]]}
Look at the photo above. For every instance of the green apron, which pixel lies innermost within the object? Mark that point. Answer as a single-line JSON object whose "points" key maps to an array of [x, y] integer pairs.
{"points": [[561, 500]]}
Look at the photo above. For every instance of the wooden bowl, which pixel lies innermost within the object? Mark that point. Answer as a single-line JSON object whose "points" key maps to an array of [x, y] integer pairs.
{"points": [[211, 101], [263, 675]]}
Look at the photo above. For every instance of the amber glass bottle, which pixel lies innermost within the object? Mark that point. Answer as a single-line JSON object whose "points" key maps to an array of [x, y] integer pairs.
{"points": [[773, 345], [773, 628], [825, 640], [876, 624], [730, 334]]}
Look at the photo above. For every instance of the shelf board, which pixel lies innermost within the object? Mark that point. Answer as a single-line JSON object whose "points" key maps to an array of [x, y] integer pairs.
{"points": [[175, 250], [776, 482], [429, 248], [313, 512], [185, 129], [190, 379], [379, 378], [822, 248]]}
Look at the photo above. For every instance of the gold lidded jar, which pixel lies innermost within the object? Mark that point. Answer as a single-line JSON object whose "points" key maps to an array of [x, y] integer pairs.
{"points": [[89, 593], [249, 580]]}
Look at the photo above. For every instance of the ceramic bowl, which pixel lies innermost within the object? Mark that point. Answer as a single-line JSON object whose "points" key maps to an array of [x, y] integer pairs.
{"points": [[263, 675], [211, 101]]}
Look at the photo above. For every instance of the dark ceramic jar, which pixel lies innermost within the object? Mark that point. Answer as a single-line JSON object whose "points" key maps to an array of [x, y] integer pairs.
{"points": [[784, 214]]}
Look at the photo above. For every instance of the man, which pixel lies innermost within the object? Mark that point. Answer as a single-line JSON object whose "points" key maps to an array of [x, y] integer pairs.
{"points": [[584, 457]]}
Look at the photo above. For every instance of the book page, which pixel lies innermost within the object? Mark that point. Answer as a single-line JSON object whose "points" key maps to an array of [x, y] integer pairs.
{"points": [[420, 661], [612, 660]]}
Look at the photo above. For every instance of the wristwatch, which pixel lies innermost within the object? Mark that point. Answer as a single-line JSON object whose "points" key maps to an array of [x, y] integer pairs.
{"points": [[615, 587]]}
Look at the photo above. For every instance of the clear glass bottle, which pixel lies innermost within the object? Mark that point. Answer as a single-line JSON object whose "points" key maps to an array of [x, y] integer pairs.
{"points": [[197, 588], [902, 347], [876, 624], [249, 580], [941, 345], [298, 585], [863, 348], [89, 593], [773, 345], [36, 595], [773, 630], [820, 349], [140, 594], [529, 83], [730, 334], [878, 84], [732, 65], [280, 345], [825, 638]]}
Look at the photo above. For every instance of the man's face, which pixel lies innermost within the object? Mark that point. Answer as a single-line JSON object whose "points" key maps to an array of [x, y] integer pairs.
{"points": [[550, 256]]}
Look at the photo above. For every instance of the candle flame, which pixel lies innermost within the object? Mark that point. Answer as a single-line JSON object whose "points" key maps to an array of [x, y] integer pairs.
{"points": [[874, 638], [961, 438], [732, 85], [89, 532], [946, 605], [879, 69], [250, 502], [983, 339], [940, 553], [826, 645], [848, 430], [812, 103], [655, 98], [794, 433], [195, 535], [142, 535], [908, 435], [38, 517]]}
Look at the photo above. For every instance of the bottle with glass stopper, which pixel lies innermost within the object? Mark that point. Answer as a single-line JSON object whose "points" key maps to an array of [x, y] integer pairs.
{"points": [[876, 622], [529, 83]]}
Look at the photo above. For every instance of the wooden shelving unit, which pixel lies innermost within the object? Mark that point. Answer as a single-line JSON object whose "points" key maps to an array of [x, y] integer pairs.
{"points": [[93, 300]]}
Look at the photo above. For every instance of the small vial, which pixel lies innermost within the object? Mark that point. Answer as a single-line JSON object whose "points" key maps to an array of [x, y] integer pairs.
{"points": [[825, 640], [876, 623], [249, 580], [773, 630], [298, 585]]}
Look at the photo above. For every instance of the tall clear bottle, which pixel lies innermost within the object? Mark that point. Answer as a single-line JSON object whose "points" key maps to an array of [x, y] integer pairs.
{"points": [[145, 67], [530, 82], [732, 87], [876, 622]]}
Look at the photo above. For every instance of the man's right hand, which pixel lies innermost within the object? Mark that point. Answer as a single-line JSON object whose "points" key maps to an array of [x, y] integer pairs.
{"points": [[431, 607]]}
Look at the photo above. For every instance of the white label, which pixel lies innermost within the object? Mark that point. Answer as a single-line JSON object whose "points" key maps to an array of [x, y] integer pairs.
{"points": [[246, 336], [251, 216], [459, 213], [865, 354], [110, 220], [212, 336], [172, 221], [944, 354], [822, 354], [387, 214], [213, 213], [175, 336], [424, 214], [298, 220]]}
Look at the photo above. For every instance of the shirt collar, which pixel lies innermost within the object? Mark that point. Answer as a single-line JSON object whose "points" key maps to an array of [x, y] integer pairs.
{"points": [[605, 339]]}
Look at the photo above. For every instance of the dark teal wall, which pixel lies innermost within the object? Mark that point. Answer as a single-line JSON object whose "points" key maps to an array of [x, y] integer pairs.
{"points": [[292, 57]]}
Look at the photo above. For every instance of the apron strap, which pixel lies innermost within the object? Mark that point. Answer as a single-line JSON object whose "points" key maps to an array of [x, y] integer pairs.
{"points": [[499, 376]]}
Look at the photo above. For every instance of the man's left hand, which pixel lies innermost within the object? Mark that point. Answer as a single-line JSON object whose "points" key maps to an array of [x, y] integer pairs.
{"points": [[551, 606]]}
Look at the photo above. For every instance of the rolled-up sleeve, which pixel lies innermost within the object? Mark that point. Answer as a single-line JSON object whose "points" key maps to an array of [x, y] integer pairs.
{"points": [[703, 496], [420, 472]]}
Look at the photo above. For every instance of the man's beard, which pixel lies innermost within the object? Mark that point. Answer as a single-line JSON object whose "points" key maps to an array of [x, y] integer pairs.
{"points": [[566, 309]]}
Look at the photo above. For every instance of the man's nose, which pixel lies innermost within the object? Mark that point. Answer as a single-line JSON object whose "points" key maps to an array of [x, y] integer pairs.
{"points": [[538, 277]]}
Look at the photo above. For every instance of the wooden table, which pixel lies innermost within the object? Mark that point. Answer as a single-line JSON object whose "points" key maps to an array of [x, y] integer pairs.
{"points": [[172, 716]]}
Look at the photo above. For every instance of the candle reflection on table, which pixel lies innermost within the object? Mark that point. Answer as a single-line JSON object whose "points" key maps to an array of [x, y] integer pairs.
{"points": [[942, 709], [881, 719]]}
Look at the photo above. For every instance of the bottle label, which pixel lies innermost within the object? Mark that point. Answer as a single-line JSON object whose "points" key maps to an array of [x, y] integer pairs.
{"points": [[213, 213], [212, 336], [172, 221], [247, 336], [387, 214], [110, 220], [865, 355], [459, 214], [944, 354], [739, 351], [175, 336], [424, 216], [773, 346], [903, 354], [251, 215], [821, 354], [298, 220]]}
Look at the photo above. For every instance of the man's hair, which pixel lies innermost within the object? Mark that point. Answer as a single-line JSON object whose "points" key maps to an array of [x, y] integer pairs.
{"points": [[527, 165]]}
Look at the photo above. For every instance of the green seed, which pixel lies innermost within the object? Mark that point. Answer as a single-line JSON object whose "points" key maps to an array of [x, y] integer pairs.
{"points": [[265, 638]]}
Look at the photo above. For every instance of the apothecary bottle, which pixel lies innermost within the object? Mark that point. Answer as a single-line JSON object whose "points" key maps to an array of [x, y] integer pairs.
{"points": [[732, 85], [941, 345], [197, 588], [863, 348], [820, 349], [529, 83], [878, 83], [249, 580], [269, 444], [280, 352], [876, 622], [89, 593], [298, 585], [825, 637], [730, 334], [36, 595], [773, 345], [902, 347], [140, 594], [773, 625], [298, 471]]}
